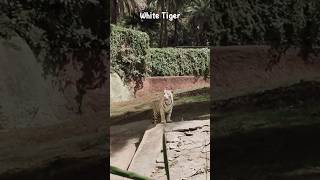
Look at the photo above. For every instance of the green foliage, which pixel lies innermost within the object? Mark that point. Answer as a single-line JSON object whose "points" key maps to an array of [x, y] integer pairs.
{"points": [[121, 7], [128, 52], [133, 59], [279, 23], [178, 61]]}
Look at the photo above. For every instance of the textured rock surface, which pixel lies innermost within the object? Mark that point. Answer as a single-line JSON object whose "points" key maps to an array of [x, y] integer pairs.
{"points": [[144, 159], [188, 147], [118, 91], [188, 144], [23, 91]]}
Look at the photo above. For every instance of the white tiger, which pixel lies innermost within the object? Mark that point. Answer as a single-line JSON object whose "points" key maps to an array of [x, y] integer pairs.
{"points": [[163, 107]]}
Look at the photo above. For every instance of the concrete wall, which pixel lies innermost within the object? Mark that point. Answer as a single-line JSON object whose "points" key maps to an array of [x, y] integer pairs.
{"points": [[157, 84], [120, 92]]}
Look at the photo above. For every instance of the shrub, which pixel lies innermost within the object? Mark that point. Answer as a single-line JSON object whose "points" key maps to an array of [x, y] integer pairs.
{"points": [[128, 52], [178, 61]]}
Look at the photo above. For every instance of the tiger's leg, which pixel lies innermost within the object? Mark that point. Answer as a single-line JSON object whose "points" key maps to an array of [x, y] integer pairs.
{"points": [[168, 118], [155, 117], [162, 116]]}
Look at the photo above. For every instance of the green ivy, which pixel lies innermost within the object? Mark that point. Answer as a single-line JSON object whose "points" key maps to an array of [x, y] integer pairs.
{"points": [[178, 61], [133, 59], [128, 52]]}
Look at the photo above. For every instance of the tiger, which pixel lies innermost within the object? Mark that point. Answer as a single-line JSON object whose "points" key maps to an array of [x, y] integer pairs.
{"points": [[163, 107]]}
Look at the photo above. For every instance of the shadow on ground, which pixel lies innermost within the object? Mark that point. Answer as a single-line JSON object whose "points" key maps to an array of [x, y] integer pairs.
{"points": [[65, 169], [188, 111], [273, 153], [269, 136]]}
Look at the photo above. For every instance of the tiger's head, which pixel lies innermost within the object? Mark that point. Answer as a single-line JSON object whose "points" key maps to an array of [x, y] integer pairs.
{"points": [[168, 96]]}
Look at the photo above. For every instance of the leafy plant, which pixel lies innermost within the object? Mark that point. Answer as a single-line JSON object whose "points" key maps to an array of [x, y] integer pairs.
{"points": [[178, 62], [128, 52], [120, 7]]}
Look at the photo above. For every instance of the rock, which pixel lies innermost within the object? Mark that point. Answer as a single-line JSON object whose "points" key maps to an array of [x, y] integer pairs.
{"points": [[205, 129], [38, 125], [173, 137], [160, 166], [173, 145], [187, 151], [188, 133], [148, 151], [160, 159], [118, 90], [25, 95], [187, 125]]}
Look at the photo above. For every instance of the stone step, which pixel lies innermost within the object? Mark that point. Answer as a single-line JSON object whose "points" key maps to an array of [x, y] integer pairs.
{"points": [[148, 151]]}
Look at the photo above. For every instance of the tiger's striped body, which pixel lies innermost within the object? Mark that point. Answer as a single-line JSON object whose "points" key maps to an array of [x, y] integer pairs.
{"points": [[162, 109]]}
